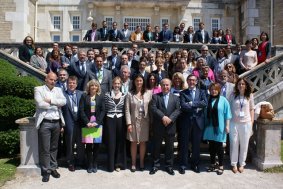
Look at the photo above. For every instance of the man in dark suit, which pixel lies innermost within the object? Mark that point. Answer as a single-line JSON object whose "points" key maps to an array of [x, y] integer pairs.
{"points": [[104, 31], [126, 33], [79, 69], [132, 63], [201, 36], [165, 108], [114, 60], [72, 129], [114, 33], [193, 102], [62, 79], [166, 34], [156, 33], [93, 34], [102, 75]]}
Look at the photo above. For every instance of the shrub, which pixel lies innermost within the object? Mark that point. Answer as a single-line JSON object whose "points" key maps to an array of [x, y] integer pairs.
{"points": [[7, 68], [18, 86], [12, 108], [9, 142], [11, 84]]}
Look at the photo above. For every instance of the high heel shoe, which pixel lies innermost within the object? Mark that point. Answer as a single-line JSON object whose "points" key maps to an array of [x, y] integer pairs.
{"points": [[133, 169]]}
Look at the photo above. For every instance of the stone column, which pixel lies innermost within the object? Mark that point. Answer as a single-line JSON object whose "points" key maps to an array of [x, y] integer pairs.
{"points": [[268, 144], [29, 147]]}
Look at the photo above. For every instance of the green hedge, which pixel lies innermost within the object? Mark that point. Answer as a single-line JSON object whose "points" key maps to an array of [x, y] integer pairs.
{"points": [[9, 142], [11, 84], [7, 68], [13, 108]]}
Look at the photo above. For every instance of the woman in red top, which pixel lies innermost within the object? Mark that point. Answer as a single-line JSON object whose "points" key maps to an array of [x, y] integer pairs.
{"points": [[264, 48]]}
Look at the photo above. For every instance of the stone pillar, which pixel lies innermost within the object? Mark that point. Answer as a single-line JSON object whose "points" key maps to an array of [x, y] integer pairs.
{"points": [[29, 147], [268, 144]]}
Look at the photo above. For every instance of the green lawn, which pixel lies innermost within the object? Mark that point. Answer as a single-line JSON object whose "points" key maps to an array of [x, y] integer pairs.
{"points": [[7, 169]]}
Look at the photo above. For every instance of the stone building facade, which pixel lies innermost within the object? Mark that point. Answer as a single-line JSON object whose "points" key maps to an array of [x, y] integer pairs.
{"points": [[68, 20]]}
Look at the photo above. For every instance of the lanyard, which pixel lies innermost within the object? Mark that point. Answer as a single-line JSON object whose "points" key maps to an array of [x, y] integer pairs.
{"points": [[241, 102]]}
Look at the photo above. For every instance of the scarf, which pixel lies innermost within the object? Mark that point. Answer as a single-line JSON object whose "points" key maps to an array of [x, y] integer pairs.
{"points": [[212, 112]]}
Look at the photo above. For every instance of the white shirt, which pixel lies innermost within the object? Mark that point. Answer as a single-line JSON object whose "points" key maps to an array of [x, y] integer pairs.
{"points": [[53, 112]]}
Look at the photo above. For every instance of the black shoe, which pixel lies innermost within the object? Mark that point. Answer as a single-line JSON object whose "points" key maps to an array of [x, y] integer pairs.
{"points": [[153, 171], [170, 171], [94, 169], [55, 174], [45, 177], [196, 169], [182, 170], [89, 170], [71, 168]]}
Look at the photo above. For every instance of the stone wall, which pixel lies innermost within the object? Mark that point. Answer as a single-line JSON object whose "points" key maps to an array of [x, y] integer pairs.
{"points": [[6, 26]]}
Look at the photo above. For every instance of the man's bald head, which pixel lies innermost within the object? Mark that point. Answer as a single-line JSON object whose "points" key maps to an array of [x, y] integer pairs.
{"points": [[50, 80]]}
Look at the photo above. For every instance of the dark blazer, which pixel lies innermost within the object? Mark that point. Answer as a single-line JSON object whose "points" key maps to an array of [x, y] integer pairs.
{"points": [[168, 36], [148, 36], [84, 109], [117, 64], [198, 37], [69, 115], [106, 83], [104, 34], [135, 65], [155, 36], [74, 69], [159, 110], [164, 74], [87, 36], [24, 53], [187, 38], [113, 37], [196, 110], [71, 60]]}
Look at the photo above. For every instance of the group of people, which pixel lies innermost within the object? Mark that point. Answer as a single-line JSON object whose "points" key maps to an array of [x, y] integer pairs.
{"points": [[145, 99], [156, 34]]}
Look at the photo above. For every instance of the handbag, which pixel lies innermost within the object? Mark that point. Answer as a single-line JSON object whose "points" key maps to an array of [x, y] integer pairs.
{"points": [[92, 135]]}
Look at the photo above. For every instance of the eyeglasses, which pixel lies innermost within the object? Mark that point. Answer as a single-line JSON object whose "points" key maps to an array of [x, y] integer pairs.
{"points": [[204, 50]]}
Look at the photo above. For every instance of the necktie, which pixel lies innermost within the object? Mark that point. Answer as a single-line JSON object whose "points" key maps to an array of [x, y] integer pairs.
{"points": [[166, 100], [224, 90], [192, 94], [99, 76], [83, 68]]}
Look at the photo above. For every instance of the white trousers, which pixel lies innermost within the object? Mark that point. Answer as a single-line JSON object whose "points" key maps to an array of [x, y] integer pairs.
{"points": [[239, 141]]}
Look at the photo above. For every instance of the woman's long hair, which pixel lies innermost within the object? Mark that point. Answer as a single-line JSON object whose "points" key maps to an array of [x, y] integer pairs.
{"points": [[134, 88], [248, 90]]}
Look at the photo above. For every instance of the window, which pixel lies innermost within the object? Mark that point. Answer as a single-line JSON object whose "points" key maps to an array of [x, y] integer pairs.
{"points": [[196, 22], [76, 22], [215, 24], [109, 21], [75, 38], [56, 38], [135, 21], [57, 22], [163, 21]]}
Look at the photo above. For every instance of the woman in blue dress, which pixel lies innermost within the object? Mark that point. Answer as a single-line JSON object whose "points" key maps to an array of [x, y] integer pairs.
{"points": [[218, 119]]}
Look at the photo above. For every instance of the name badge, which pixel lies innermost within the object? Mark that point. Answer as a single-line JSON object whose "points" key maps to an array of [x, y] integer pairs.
{"points": [[75, 109], [242, 114]]}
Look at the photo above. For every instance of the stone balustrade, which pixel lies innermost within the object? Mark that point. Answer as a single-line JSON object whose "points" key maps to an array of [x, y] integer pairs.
{"points": [[268, 144]]}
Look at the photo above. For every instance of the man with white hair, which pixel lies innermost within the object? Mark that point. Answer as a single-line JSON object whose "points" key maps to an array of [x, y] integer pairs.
{"points": [[210, 60], [125, 74]]}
